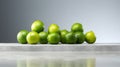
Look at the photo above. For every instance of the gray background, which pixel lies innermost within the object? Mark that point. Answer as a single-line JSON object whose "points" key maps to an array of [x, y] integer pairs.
{"points": [[101, 16]]}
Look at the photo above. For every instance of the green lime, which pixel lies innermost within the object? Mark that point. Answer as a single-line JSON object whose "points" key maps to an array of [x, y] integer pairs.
{"points": [[90, 37], [80, 37], [43, 37], [21, 36], [37, 26], [70, 38], [77, 27], [33, 37], [62, 34], [53, 28], [53, 38]]}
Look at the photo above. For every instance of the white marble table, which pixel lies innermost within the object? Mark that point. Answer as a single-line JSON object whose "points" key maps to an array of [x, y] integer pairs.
{"points": [[69, 55], [98, 47]]}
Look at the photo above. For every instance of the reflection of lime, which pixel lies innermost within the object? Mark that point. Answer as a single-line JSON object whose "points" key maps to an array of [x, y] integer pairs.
{"points": [[21, 36], [20, 62], [77, 27], [37, 26], [80, 37], [33, 37], [70, 38], [53, 38], [53, 28], [90, 62], [90, 37], [43, 37], [62, 34]]}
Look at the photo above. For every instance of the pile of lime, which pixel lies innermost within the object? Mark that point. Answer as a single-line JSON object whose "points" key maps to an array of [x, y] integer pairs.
{"points": [[54, 35]]}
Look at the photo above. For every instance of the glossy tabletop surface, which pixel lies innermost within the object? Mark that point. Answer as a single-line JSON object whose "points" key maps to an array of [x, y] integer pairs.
{"points": [[61, 55]]}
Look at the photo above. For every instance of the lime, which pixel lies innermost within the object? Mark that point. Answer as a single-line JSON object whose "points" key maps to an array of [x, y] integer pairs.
{"points": [[21, 36], [77, 27], [90, 37], [70, 38], [37, 26], [33, 37], [62, 34], [80, 37], [43, 37], [53, 38], [53, 28]]}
